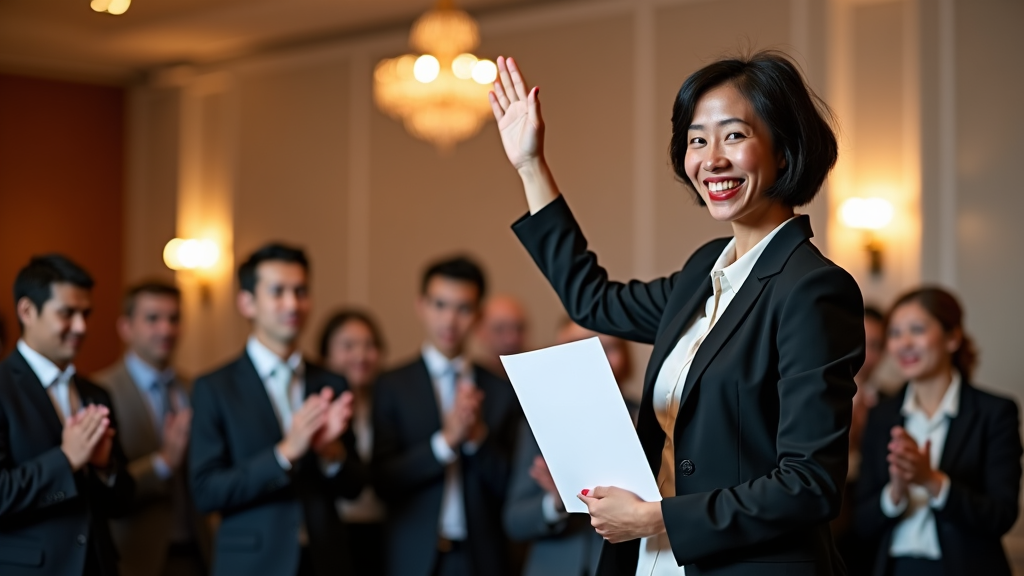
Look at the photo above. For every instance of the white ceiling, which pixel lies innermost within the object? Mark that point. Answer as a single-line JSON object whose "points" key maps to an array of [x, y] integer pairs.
{"points": [[65, 38]]}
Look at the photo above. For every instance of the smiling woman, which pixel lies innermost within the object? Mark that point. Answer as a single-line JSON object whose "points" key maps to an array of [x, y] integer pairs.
{"points": [[941, 460], [746, 407]]}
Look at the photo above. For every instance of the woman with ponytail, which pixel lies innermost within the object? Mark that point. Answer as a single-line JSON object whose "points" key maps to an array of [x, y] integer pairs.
{"points": [[941, 469]]}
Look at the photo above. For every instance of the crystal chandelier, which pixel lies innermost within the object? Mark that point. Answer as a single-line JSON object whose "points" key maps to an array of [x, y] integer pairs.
{"points": [[441, 95]]}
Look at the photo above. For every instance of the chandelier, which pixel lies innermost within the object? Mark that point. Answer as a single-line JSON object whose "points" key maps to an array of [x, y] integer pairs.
{"points": [[441, 95]]}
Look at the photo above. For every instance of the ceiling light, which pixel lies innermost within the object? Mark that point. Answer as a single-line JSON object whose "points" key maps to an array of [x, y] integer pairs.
{"points": [[426, 68], [115, 7], [441, 95]]}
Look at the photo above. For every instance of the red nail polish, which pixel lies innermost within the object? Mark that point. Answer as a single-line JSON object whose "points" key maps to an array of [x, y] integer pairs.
{"points": [[585, 491]]}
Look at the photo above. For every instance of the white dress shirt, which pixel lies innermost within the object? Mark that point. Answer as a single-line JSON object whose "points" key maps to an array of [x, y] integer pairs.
{"points": [[57, 384], [915, 535], [445, 375], [55, 381], [284, 381], [727, 277]]}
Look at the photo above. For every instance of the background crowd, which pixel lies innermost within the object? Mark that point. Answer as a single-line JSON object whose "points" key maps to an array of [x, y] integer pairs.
{"points": [[351, 464]]}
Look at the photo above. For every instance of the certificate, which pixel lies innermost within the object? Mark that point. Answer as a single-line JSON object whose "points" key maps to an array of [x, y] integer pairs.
{"points": [[577, 414]]}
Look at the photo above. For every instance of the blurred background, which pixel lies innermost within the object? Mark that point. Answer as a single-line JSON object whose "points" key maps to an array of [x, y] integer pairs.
{"points": [[242, 121]]}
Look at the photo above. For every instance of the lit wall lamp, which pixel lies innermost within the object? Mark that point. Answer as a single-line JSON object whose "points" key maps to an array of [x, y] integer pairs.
{"points": [[181, 254], [869, 215]]}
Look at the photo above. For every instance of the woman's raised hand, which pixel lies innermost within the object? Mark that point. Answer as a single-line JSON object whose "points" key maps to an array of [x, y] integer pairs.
{"points": [[517, 111]]}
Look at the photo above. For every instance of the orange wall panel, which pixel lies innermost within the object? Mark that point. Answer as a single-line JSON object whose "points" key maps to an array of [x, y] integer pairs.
{"points": [[61, 190]]}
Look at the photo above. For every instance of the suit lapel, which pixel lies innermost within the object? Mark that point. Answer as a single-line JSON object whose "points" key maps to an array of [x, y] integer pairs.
{"points": [[959, 428], [310, 381], [134, 414], [720, 333], [30, 385], [647, 425], [253, 399], [423, 394], [673, 332], [770, 263]]}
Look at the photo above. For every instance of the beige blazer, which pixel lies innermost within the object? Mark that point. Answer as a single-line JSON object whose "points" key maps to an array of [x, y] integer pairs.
{"points": [[143, 537]]}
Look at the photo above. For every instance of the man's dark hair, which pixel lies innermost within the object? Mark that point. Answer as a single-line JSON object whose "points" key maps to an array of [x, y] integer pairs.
{"points": [[151, 287], [799, 121], [273, 252], [458, 268], [35, 281]]}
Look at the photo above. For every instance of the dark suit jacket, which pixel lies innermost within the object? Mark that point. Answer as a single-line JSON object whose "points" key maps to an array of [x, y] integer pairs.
{"points": [[51, 519], [982, 457], [233, 471], [143, 536], [567, 548], [410, 480], [762, 434]]}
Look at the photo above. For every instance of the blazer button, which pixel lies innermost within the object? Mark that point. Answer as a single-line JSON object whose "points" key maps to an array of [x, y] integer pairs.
{"points": [[81, 539], [686, 468]]}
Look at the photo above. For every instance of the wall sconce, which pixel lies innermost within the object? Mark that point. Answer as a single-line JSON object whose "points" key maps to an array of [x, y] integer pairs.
{"points": [[191, 254], [181, 254], [869, 215]]}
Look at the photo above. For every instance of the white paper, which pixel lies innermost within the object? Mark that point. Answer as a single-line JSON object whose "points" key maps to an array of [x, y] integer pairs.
{"points": [[580, 421]]}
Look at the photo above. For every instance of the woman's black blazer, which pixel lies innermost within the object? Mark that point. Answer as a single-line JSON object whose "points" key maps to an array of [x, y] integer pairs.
{"points": [[982, 459], [762, 433]]}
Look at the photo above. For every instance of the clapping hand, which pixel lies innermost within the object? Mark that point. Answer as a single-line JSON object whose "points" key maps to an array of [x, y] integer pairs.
{"points": [[176, 429], [463, 421], [910, 464], [336, 421], [306, 422], [542, 475], [87, 437]]}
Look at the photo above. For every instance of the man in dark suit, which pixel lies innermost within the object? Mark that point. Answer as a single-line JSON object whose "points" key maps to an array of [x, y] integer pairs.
{"points": [[270, 448], [444, 434], [164, 535], [62, 471]]}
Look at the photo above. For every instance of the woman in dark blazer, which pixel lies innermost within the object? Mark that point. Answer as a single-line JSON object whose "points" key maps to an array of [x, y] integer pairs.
{"points": [[941, 468], [747, 398]]}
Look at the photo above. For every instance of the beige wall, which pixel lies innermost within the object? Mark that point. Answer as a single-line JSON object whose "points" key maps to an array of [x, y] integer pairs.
{"points": [[307, 159], [287, 145], [989, 119]]}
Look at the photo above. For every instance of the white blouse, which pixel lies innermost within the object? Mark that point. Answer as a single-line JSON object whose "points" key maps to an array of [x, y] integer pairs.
{"points": [[916, 534], [727, 277]]}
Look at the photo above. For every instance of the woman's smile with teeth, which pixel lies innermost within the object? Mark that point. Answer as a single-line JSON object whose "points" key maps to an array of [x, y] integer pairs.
{"points": [[723, 185]]}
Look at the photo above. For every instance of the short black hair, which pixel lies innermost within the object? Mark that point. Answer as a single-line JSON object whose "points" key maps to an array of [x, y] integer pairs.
{"points": [[342, 317], [275, 251], [153, 287], [460, 268], [35, 281], [872, 313], [799, 121]]}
